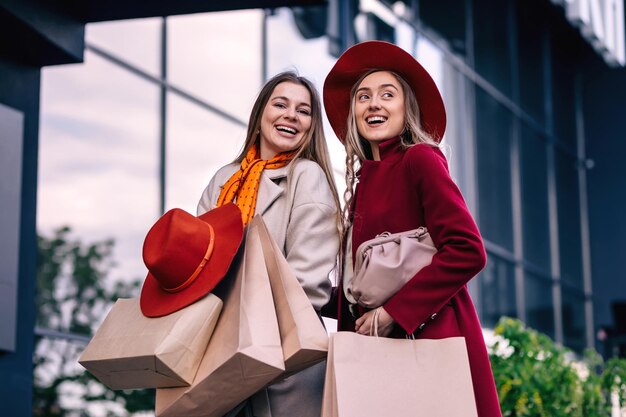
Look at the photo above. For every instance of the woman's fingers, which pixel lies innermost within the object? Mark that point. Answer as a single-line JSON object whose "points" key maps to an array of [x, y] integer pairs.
{"points": [[363, 324]]}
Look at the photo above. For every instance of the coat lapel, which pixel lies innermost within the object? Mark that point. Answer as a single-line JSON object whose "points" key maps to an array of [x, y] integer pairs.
{"points": [[269, 190]]}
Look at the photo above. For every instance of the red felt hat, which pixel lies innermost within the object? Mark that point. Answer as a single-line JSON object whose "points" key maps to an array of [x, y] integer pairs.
{"points": [[366, 56], [187, 256]]}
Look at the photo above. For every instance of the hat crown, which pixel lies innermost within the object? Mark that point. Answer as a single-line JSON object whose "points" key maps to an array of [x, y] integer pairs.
{"points": [[174, 247]]}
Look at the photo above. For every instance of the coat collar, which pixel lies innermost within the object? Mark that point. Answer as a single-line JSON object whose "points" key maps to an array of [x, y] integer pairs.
{"points": [[269, 190], [389, 147]]}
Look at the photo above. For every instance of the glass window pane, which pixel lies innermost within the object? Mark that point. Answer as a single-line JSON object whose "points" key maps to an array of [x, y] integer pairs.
{"points": [[539, 305], [530, 27], [491, 39], [98, 159], [568, 202], [493, 130], [497, 291], [457, 142], [573, 311], [136, 41], [436, 15], [199, 142], [564, 64], [286, 50], [217, 57], [535, 218]]}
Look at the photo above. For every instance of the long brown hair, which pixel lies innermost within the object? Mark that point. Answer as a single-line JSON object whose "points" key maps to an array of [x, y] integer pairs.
{"points": [[313, 146], [358, 149]]}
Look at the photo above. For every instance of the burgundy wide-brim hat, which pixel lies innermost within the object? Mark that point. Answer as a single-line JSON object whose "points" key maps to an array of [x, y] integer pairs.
{"points": [[187, 256], [370, 55]]}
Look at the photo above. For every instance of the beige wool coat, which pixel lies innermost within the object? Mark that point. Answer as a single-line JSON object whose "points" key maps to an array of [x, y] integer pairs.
{"points": [[298, 207]]}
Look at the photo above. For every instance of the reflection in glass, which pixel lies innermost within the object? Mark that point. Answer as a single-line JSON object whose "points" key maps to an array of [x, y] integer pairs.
{"points": [[493, 130], [431, 58], [530, 59], [99, 157], [136, 41], [573, 310], [534, 182], [457, 141], [570, 239], [497, 291], [199, 142], [217, 57], [492, 45], [436, 15], [564, 64], [539, 305], [288, 50]]}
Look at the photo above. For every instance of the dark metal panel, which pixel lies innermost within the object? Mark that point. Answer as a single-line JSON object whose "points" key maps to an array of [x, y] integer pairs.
{"points": [[39, 33], [102, 10], [51, 32], [603, 95]]}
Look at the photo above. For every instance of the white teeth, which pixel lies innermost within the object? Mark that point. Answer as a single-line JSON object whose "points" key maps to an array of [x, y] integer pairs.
{"points": [[286, 129], [376, 119]]}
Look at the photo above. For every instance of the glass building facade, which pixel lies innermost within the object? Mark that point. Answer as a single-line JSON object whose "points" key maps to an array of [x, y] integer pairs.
{"points": [[160, 103]]}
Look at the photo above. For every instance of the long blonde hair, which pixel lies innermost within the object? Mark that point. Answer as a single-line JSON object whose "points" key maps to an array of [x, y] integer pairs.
{"points": [[358, 149], [313, 146]]}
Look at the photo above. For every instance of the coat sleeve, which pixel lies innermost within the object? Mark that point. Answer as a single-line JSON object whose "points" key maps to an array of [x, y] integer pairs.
{"points": [[460, 250], [312, 239]]}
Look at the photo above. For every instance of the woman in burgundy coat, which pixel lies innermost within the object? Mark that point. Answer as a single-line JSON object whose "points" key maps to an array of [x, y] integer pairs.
{"points": [[388, 112]]}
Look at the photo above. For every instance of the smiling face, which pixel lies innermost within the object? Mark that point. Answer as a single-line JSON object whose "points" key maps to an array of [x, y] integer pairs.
{"points": [[379, 107], [286, 119]]}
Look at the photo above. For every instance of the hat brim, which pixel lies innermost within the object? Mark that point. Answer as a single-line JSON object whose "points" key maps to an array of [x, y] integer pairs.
{"points": [[370, 55], [228, 226]]}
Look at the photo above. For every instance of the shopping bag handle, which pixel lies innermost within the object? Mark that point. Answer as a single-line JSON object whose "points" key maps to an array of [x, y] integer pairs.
{"points": [[374, 327]]}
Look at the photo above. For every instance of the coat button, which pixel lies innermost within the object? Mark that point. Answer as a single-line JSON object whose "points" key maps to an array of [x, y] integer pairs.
{"points": [[432, 317], [422, 326]]}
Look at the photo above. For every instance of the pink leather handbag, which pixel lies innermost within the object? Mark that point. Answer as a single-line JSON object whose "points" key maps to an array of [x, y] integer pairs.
{"points": [[384, 264]]}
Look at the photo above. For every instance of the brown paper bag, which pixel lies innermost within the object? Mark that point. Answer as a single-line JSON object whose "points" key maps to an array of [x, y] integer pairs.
{"points": [[377, 376], [244, 353], [304, 339], [131, 351]]}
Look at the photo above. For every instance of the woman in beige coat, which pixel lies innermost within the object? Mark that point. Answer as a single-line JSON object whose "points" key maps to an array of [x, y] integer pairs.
{"points": [[284, 174]]}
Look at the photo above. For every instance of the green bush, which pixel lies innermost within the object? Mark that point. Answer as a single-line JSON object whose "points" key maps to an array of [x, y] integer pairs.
{"points": [[537, 378]]}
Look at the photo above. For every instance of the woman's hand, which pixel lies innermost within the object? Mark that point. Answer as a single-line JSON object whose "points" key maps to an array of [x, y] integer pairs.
{"points": [[365, 323]]}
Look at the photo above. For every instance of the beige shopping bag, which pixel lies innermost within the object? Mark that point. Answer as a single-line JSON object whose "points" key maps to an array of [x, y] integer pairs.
{"points": [[304, 339], [244, 353], [130, 350], [370, 376]]}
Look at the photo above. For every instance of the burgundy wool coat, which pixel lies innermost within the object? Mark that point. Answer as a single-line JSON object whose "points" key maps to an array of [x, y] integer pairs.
{"points": [[407, 189]]}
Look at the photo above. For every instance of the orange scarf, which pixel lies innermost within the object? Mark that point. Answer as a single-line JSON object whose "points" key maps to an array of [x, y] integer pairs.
{"points": [[244, 184]]}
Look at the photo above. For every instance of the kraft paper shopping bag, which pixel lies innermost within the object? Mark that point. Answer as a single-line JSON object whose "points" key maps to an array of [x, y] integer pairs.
{"points": [[245, 352], [130, 350], [370, 376], [304, 338]]}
